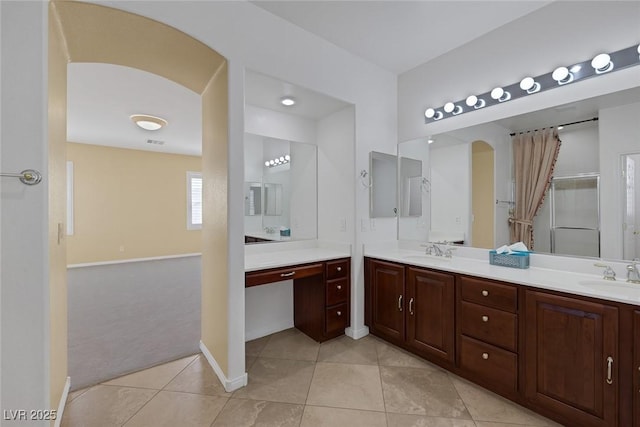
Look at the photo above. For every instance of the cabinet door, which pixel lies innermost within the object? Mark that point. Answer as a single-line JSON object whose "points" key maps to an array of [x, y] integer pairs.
{"points": [[387, 300], [430, 313], [636, 368], [571, 358]]}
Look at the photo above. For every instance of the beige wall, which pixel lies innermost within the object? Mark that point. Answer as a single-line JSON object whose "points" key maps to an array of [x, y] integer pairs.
{"points": [[483, 200], [215, 292], [57, 116], [129, 204]]}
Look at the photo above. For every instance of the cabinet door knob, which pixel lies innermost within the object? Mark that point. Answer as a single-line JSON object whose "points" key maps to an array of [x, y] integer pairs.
{"points": [[339, 313], [485, 293], [339, 269], [485, 318], [338, 287], [485, 356]]}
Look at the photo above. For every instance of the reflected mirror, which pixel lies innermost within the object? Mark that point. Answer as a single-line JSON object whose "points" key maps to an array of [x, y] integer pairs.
{"points": [[252, 198], [272, 199], [411, 186], [591, 207], [383, 188]]}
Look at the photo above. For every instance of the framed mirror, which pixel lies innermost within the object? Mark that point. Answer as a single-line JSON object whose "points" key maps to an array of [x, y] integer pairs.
{"points": [[252, 198], [383, 198]]}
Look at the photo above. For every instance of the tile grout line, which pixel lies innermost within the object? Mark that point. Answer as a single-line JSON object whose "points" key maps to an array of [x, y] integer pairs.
{"points": [[139, 409]]}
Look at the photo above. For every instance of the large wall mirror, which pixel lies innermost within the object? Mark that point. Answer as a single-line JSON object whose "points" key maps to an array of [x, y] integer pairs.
{"points": [[280, 189], [592, 206]]}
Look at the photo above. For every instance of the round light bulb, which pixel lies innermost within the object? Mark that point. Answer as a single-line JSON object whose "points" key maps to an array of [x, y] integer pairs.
{"points": [[429, 113], [472, 100], [527, 83], [560, 74], [449, 107], [271, 162], [282, 158], [266, 163], [497, 93], [287, 101], [287, 157], [601, 62]]}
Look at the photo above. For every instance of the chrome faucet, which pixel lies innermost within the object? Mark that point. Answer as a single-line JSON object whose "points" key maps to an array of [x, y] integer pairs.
{"points": [[633, 275], [608, 273], [433, 249]]}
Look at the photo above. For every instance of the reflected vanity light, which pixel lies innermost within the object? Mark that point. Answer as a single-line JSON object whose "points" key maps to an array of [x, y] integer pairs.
{"points": [[287, 101], [602, 63], [278, 161]]}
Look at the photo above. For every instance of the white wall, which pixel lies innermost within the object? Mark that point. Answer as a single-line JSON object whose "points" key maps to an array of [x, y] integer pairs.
{"points": [[619, 128], [24, 328], [557, 34]]}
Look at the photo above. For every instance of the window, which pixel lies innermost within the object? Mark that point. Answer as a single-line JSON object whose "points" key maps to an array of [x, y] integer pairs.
{"points": [[194, 200]]}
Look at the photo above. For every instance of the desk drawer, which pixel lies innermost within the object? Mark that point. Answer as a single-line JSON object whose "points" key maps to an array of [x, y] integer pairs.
{"points": [[490, 294], [279, 274], [337, 291], [488, 324], [337, 318], [493, 365], [336, 269]]}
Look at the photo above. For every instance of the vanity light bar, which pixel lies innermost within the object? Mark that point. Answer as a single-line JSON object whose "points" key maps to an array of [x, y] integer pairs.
{"points": [[601, 64], [277, 161]]}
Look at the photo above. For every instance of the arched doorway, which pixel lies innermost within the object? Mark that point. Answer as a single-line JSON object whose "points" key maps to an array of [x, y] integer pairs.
{"points": [[80, 32]]}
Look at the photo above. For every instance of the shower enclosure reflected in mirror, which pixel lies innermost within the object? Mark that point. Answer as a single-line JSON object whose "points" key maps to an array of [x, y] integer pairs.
{"points": [[412, 186], [252, 198], [631, 206]]}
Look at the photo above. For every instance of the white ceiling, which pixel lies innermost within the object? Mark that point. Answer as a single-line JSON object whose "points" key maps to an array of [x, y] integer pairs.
{"points": [[400, 35]]}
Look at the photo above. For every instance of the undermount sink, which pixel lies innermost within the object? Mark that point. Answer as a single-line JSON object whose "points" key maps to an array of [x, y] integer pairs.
{"points": [[426, 257], [611, 286]]}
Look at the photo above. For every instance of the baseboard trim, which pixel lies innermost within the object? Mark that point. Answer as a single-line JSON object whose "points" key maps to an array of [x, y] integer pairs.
{"points": [[63, 402], [356, 334], [228, 384]]}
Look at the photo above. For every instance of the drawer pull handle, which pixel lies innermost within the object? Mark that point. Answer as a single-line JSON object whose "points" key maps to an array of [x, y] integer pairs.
{"points": [[287, 274], [339, 313], [400, 303], [485, 318], [485, 293], [338, 287], [339, 269], [609, 369], [411, 306], [485, 356]]}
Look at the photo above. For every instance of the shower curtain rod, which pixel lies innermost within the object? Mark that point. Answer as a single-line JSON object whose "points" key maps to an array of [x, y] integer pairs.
{"points": [[594, 119]]}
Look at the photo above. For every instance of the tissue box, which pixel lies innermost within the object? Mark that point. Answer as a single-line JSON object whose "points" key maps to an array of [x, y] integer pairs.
{"points": [[285, 232], [515, 259]]}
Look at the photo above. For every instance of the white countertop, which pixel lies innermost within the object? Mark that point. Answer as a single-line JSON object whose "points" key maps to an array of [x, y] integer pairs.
{"points": [[274, 255], [590, 285]]}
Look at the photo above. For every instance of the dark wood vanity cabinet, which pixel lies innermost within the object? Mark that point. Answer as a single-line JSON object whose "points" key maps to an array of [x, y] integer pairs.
{"points": [[487, 333], [572, 358], [635, 369], [321, 295], [411, 307]]}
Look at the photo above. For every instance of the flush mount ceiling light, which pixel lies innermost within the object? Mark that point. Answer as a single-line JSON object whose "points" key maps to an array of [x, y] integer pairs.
{"points": [[147, 122], [287, 101], [600, 64]]}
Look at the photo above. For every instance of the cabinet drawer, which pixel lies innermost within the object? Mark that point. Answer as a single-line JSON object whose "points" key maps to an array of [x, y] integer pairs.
{"points": [[490, 294], [493, 365], [488, 324], [336, 269], [279, 274], [337, 318], [337, 291]]}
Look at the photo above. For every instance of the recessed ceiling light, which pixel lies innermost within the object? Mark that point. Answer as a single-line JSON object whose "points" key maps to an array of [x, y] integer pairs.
{"points": [[287, 101], [148, 122]]}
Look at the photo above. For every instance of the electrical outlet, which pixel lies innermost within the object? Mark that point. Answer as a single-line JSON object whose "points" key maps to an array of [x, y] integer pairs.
{"points": [[343, 224], [121, 248], [457, 220], [363, 225], [372, 224]]}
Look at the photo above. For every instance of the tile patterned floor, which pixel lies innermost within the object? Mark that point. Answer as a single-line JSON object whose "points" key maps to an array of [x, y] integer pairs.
{"points": [[296, 382]]}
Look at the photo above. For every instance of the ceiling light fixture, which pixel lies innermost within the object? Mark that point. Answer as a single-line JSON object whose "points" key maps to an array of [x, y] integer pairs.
{"points": [[600, 64], [147, 122], [287, 101]]}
